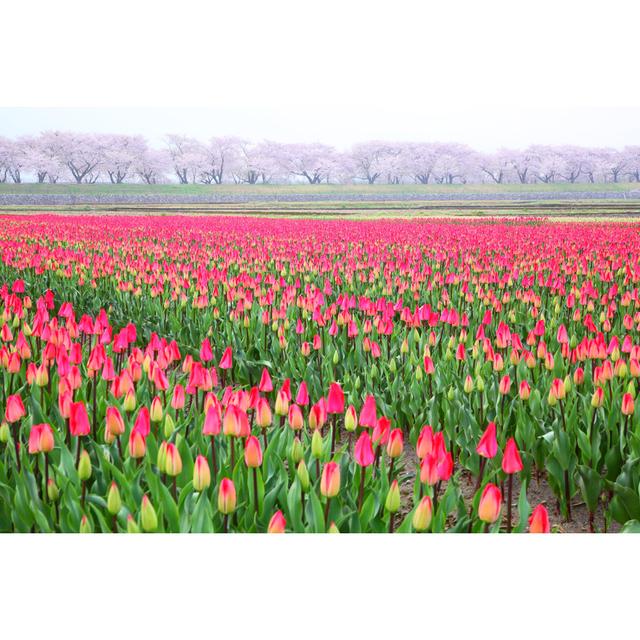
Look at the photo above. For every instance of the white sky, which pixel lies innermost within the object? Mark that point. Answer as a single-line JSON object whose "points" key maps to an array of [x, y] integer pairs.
{"points": [[492, 73]]}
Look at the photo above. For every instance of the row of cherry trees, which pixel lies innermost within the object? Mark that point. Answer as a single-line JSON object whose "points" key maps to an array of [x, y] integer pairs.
{"points": [[56, 156]]}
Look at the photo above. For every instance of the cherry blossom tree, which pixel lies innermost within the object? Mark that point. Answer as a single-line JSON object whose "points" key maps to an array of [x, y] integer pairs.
{"points": [[496, 166], [258, 163], [81, 153], [41, 161], [221, 154], [188, 157], [12, 160], [119, 156], [152, 165], [455, 162], [613, 163], [632, 162], [419, 159], [315, 162], [373, 159]]}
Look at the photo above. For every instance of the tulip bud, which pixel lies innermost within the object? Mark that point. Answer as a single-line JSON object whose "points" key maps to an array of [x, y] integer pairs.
{"points": [[169, 426], [296, 419], [479, 384], [148, 516], [505, 385], [84, 466], [137, 444], [53, 492], [85, 525], [539, 520], [252, 452], [173, 461], [114, 421], [511, 461], [395, 444], [42, 375], [351, 419], [296, 452], [333, 528], [524, 390], [201, 474], [392, 503], [155, 412], [317, 444], [468, 384], [263, 413], [132, 525], [303, 475], [597, 399], [627, 405], [330, 480], [129, 403], [226, 496], [114, 502], [422, 515], [282, 404], [277, 523], [490, 504], [5, 432]]}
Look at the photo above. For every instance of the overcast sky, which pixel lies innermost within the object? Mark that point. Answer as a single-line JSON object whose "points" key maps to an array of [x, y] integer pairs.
{"points": [[491, 74]]}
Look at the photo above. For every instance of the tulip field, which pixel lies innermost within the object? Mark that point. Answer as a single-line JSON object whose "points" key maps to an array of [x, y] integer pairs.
{"points": [[244, 374]]}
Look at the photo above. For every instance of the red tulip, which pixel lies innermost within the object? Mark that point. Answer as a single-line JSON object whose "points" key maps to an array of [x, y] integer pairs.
{"points": [[252, 452], [277, 524], [368, 417], [488, 444], [395, 444], [380, 435], [302, 397], [206, 354], [115, 423], [445, 466], [79, 420], [511, 461], [296, 419], [539, 520], [137, 444], [143, 422], [505, 385], [226, 496], [627, 405], [424, 445], [14, 410], [429, 470], [178, 397], [211, 426], [490, 504], [265, 385], [330, 481], [363, 451], [227, 359], [335, 401]]}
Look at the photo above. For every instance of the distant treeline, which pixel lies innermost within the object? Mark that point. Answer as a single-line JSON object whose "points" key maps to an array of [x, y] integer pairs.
{"points": [[60, 156]]}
